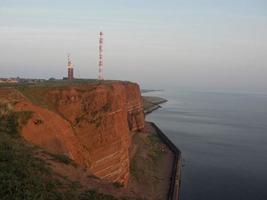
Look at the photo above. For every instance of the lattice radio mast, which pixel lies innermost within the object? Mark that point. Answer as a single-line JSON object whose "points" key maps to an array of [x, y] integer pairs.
{"points": [[100, 62]]}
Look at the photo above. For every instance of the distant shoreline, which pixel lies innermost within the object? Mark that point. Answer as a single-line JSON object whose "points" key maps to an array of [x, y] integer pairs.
{"points": [[152, 103], [146, 90]]}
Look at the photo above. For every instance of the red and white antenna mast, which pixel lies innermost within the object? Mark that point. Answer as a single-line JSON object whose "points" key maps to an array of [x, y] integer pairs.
{"points": [[100, 62]]}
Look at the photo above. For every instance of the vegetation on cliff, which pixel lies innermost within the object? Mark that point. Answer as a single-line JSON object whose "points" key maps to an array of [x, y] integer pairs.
{"points": [[25, 176]]}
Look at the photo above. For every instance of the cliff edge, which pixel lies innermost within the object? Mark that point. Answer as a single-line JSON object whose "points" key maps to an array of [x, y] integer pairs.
{"points": [[90, 123]]}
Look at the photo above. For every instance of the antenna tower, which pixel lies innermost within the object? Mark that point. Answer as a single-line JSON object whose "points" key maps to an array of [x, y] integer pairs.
{"points": [[100, 62]]}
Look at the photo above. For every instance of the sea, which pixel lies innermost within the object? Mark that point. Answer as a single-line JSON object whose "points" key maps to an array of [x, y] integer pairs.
{"points": [[223, 140]]}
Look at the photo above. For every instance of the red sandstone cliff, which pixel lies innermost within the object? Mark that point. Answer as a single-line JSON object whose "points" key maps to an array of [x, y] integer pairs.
{"points": [[88, 122]]}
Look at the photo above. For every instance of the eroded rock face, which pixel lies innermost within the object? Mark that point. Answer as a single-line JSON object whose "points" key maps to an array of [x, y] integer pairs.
{"points": [[90, 123], [135, 110]]}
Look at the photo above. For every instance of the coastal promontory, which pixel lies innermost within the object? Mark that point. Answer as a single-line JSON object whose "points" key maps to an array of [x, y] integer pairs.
{"points": [[98, 127]]}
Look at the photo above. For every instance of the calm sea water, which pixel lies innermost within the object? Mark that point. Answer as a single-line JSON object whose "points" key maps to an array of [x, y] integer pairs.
{"points": [[223, 139]]}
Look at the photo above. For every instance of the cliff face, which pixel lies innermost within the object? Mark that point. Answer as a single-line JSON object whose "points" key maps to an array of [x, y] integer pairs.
{"points": [[90, 123]]}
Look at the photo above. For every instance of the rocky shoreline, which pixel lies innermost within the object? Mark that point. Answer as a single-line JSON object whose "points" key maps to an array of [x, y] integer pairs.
{"points": [[152, 103]]}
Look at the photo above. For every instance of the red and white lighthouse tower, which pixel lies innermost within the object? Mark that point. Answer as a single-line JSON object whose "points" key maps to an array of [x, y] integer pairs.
{"points": [[100, 62]]}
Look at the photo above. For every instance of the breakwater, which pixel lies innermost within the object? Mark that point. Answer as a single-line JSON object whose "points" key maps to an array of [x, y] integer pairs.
{"points": [[175, 181]]}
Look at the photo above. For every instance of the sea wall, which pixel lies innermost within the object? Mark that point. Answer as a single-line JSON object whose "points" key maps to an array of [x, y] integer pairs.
{"points": [[175, 181]]}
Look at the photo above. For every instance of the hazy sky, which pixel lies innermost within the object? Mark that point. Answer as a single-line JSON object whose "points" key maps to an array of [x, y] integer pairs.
{"points": [[198, 44]]}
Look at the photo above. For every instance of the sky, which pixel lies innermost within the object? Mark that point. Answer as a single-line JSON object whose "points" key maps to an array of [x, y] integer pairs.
{"points": [[216, 45]]}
